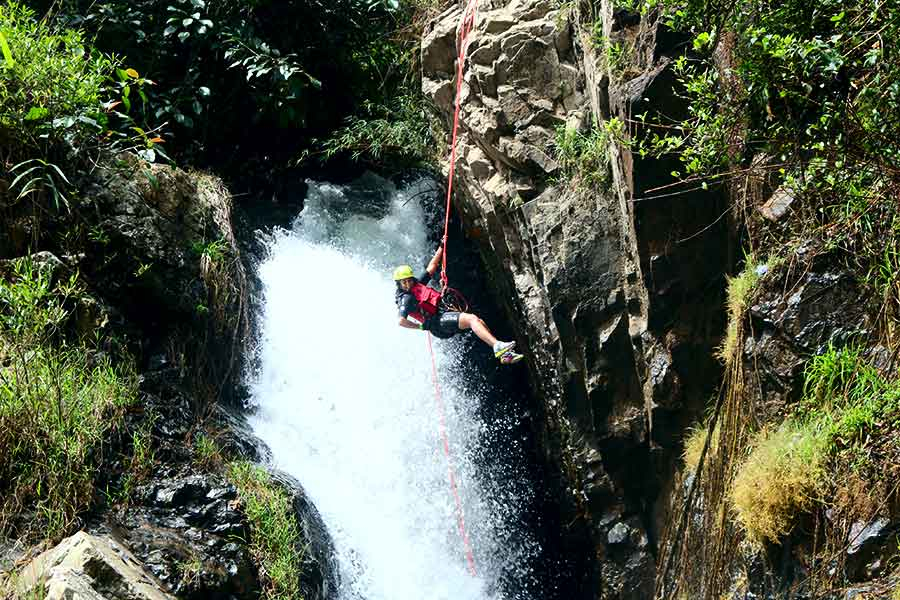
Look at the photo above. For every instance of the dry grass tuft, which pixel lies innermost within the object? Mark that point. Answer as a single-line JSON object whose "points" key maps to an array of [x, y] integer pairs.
{"points": [[740, 291], [693, 446], [781, 478]]}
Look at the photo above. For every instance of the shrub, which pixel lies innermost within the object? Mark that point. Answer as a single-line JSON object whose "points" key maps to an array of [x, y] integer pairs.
{"points": [[54, 86], [782, 477], [274, 535], [846, 401], [403, 133], [57, 404], [810, 90]]}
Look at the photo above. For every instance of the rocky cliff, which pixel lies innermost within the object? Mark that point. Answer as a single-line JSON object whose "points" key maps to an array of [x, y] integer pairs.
{"points": [[614, 295], [618, 280]]}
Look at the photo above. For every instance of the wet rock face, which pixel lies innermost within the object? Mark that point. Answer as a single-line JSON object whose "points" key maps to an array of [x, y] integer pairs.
{"points": [[184, 526], [184, 522], [795, 318]]}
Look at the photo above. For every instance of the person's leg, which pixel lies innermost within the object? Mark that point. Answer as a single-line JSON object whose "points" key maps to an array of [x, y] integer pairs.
{"points": [[478, 327]]}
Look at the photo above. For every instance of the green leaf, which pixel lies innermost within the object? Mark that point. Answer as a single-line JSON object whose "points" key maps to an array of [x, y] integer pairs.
{"points": [[7, 53], [36, 113], [184, 35], [204, 91], [23, 174], [169, 31], [59, 172]]}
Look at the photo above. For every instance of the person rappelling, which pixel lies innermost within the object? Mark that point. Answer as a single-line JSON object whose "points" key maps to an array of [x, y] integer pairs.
{"points": [[417, 300]]}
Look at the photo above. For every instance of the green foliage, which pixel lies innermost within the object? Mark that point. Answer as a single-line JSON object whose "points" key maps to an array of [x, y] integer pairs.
{"points": [[214, 251], [143, 455], [37, 175], [207, 450], [56, 108], [740, 293], [401, 134], [584, 157], [232, 74], [274, 535], [57, 403], [54, 88], [615, 52], [846, 403], [848, 398], [815, 88], [693, 445], [394, 124]]}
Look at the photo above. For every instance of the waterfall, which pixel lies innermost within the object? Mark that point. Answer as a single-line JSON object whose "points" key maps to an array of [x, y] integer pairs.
{"points": [[344, 399]]}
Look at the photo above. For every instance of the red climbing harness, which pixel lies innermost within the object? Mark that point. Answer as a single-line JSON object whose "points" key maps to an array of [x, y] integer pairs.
{"points": [[429, 300], [466, 24]]}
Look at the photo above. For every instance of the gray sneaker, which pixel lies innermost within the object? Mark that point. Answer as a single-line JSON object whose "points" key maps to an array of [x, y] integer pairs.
{"points": [[503, 347]]}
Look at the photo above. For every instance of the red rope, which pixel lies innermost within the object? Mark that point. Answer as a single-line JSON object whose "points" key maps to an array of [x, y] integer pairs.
{"points": [[461, 521], [466, 25]]}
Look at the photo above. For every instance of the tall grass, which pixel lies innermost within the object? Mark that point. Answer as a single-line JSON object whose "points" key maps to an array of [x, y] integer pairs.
{"points": [[58, 402], [274, 534]]}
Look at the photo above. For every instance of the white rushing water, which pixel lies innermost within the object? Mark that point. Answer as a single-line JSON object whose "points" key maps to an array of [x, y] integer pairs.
{"points": [[346, 403]]}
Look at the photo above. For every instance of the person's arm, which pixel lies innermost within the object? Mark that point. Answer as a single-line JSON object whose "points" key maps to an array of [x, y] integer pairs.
{"points": [[435, 261], [407, 305]]}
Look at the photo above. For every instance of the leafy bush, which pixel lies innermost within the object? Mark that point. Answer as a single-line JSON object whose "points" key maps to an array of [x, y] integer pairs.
{"points": [[812, 91], [782, 477], [274, 535], [56, 109], [57, 403], [403, 134], [51, 85]]}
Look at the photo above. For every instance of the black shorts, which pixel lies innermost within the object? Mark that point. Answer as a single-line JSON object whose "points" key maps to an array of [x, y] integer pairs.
{"points": [[444, 325]]}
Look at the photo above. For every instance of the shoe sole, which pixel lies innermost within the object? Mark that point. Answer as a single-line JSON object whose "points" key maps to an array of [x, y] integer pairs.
{"points": [[516, 358]]}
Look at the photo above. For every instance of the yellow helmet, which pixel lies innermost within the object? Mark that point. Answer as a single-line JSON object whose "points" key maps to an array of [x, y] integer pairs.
{"points": [[403, 272]]}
